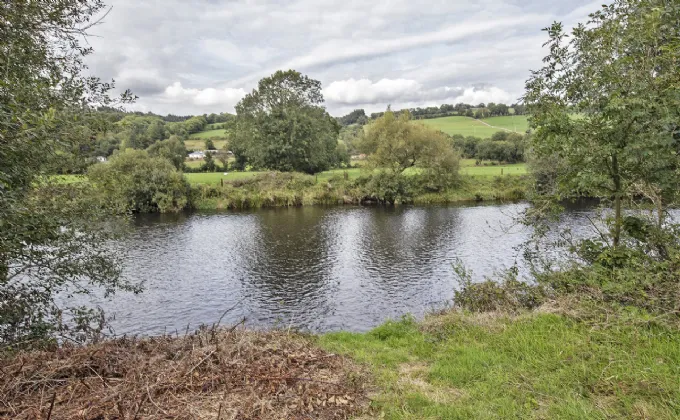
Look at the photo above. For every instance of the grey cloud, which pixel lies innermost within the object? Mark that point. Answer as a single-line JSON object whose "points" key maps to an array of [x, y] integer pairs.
{"points": [[219, 48]]}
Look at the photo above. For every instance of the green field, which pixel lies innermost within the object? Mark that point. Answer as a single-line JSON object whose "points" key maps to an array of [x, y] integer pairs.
{"points": [[518, 123], [471, 127], [468, 167], [213, 178], [460, 125], [196, 144], [219, 133]]}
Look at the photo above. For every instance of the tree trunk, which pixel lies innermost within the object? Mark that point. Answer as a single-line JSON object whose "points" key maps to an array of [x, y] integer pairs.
{"points": [[618, 218]]}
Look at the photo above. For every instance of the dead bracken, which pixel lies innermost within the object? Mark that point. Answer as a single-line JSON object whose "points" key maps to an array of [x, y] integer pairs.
{"points": [[209, 374]]}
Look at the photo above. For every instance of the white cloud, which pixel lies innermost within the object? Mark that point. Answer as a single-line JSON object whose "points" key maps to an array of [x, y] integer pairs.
{"points": [[475, 96], [406, 93], [206, 100], [363, 91]]}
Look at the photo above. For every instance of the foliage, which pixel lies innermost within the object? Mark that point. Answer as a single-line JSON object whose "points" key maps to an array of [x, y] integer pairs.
{"points": [[358, 116], [135, 182], [208, 163], [508, 294], [172, 149], [51, 242], [619, 73], [395, 144], [281, 125]]}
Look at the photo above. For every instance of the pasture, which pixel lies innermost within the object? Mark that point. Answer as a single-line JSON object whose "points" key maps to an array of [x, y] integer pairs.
{"points": [[517, 123], [471, 127], [208, 134], [198, 144], [467, 167]]}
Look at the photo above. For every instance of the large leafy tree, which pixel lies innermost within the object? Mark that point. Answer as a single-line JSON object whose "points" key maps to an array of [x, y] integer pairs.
{"points": [[49, 243], [606, 106], [395, 143], [282, 125]]}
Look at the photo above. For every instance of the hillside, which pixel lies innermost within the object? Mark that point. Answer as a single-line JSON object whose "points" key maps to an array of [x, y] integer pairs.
{"points": [[207, 134], [479, 128]]}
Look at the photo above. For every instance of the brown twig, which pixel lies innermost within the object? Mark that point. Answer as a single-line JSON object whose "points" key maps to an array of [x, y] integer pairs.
{"points": [[49, 412]]}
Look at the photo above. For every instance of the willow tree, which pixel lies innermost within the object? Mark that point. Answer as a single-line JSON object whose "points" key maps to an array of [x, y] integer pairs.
{"points": [[396, 143], [49, 243], [606, 106]]}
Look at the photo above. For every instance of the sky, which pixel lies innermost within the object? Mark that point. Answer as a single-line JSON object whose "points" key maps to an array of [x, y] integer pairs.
{"points": [[195, 57]]}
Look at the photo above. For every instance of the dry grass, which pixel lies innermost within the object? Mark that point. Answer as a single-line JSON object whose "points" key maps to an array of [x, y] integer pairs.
{"points": [[209, 374]]}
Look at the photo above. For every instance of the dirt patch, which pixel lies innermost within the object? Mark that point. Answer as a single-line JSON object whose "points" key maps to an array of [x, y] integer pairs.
{"points": [[413, 379], [209, 374]]}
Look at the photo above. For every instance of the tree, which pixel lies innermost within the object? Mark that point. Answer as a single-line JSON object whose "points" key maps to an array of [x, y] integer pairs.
{"points": [[51, 243], [135, 182], [358, 116], [195, 124], [619, 74], [209, 145], [281, 125], [395, 144], [209, 163], [172, 149]]}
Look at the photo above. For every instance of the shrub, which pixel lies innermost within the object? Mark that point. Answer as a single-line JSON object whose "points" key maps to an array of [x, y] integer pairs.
{"points": [[138, 183]]}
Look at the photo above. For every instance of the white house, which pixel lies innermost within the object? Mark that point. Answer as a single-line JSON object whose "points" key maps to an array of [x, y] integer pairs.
{"points": [[101, 159], [197, 155]]}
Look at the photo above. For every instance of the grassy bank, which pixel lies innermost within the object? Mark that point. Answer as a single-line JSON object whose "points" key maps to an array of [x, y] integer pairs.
{"points": [[283, 189], [545, 364], [538, 365]]}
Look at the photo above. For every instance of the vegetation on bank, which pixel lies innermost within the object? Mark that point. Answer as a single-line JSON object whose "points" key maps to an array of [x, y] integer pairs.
{"points": [[213, 373], [286, 189], [533, 365]]}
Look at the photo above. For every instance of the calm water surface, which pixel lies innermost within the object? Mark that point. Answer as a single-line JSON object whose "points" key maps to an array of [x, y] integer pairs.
{"points": [[313, 268]]}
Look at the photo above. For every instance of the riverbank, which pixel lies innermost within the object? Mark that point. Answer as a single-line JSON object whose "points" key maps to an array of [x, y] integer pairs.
{"points": [[288, 189], [546, 363], [217, 374]]}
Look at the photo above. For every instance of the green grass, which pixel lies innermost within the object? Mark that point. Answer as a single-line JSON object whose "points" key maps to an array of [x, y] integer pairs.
{"points": [[197, 144], [518, 123], [460, 125], [220, 133], [213, 178], [536, 366], [471, 127], [468, 167]]}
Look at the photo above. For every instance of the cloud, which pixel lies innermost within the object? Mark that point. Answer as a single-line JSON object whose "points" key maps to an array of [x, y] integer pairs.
{"points": [[364, 91], [202, 56], [341, 50], [485, 95], [206, 100]]}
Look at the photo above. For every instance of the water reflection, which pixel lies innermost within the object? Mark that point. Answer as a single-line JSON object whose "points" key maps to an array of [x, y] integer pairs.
{"points": [[312, 268]]}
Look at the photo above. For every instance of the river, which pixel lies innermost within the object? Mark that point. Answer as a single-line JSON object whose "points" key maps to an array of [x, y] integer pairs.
{"points": [[310, 268]]}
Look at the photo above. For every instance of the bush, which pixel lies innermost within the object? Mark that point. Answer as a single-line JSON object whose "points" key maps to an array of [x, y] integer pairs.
{"points": [[141, 184], [509, 294]]}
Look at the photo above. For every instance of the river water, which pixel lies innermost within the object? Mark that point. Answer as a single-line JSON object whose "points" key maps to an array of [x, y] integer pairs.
{"points": [[310, 268]]}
